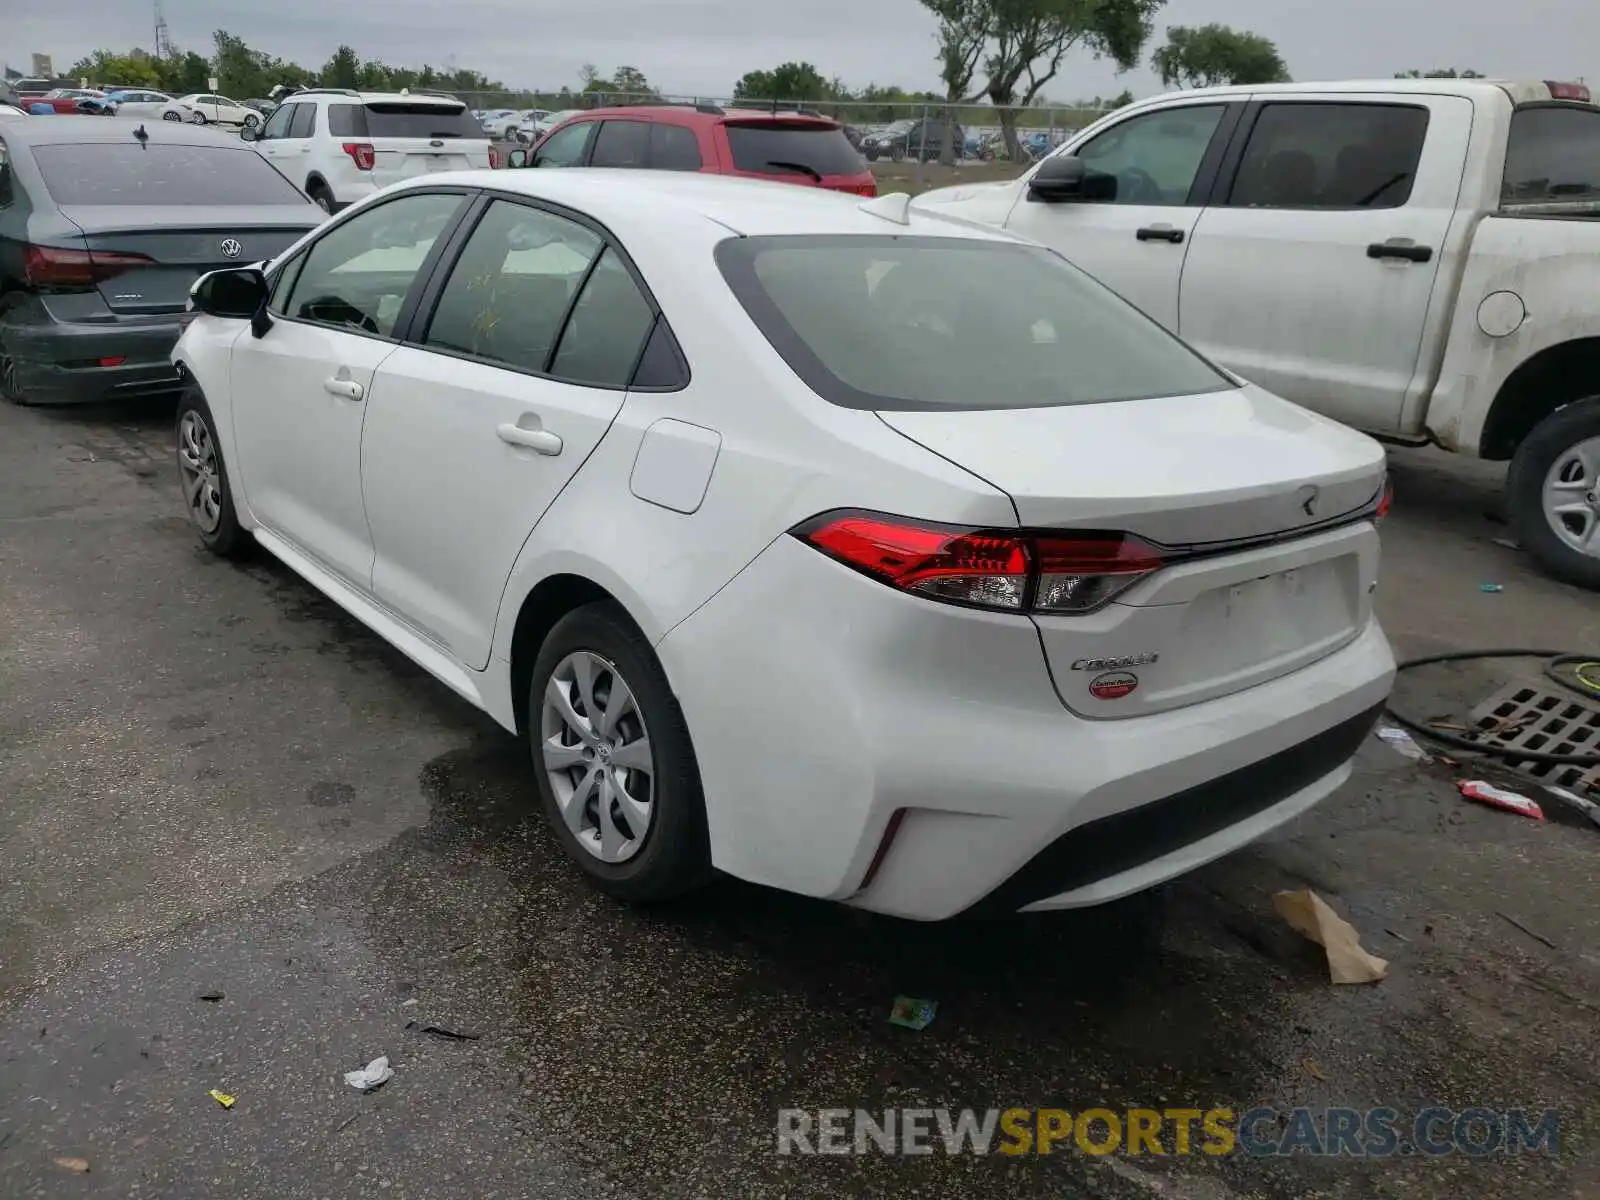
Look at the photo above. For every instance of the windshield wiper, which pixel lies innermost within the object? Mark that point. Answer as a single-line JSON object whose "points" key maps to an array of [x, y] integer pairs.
{"points": [[795, 166]]}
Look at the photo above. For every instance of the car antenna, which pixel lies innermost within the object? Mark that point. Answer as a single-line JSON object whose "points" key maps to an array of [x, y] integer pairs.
{"points": [[892, 206], [140, 135]]}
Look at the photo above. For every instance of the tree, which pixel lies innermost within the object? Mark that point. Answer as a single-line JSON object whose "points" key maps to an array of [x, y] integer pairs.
{"points": [[343, 70], [630, 81], [1213, 55], [238, 68], [1027, 40], [184, 73], [1122, 100], [105, 66], [787, 81], [1437, 73], [963, 33]]}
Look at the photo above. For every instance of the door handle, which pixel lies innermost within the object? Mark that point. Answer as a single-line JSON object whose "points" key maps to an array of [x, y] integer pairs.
{"points": [[540, 440], [1159, 233], [347, 388], [1402, 248]]}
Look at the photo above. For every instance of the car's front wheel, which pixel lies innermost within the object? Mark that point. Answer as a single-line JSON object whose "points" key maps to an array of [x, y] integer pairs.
{"points": [[1554, 491], [203, 477], [251, 121], [613, 761]]}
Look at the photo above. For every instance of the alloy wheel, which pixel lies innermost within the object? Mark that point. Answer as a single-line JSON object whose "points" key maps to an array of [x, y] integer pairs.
{"points": [[171, 116], [1572, 497], [197, 465], [596, 753]]}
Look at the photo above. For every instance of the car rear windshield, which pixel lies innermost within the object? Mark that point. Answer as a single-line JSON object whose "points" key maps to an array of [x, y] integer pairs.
{"points": [[1553, 156], [928, 323], [774, 148], [152, 174], [385, 119]]}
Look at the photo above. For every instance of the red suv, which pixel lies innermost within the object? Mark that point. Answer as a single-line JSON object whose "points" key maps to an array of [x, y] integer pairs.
{"points": [[794, 147]]}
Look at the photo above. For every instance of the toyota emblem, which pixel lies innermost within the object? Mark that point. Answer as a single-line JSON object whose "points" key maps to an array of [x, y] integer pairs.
{"points": [[231, 248]]}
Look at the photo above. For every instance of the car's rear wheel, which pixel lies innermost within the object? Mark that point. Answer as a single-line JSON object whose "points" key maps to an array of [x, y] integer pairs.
{"points": [[898, 153], [204, 479], [251, 121], [323, 198], [171, 116], [613, 761], [1554, 491], [10, 382]]}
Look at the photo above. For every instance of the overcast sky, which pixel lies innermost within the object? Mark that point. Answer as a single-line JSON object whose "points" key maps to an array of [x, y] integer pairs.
{"points": [[702, 46]]}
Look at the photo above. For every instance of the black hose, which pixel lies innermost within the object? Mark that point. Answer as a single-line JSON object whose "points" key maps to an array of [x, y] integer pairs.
{"points": [[1586, 683]]}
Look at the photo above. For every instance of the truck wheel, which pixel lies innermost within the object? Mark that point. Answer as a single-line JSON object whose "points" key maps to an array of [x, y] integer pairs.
{"points": [[1554, 492], [871, 153]]}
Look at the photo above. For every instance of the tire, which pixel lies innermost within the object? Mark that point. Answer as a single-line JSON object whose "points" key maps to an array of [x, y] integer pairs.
{"points": [[171, 116], [898, 153], [323, 198], [203, 119], [1550, 446], [208, 502], [670, 854], [10, 389], [871, 153], [250, 122]]}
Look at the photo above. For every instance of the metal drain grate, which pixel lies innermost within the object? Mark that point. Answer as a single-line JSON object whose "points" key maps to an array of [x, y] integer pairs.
{"points": [[1525, 717]]}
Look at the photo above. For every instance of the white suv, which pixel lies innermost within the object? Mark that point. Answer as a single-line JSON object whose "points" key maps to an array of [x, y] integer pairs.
{"points": [[340, 146]]}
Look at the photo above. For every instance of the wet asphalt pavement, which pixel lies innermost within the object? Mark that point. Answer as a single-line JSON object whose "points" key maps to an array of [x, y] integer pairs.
{"points": [[213, 782]]}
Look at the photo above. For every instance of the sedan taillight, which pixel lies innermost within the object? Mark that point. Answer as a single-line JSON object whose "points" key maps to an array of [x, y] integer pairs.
{"points": [[1005, 570], [54, 267], [362, 154]]}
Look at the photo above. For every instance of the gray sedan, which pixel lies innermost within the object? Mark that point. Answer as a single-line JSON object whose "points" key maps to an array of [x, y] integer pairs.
{"points": [[105, 223]]}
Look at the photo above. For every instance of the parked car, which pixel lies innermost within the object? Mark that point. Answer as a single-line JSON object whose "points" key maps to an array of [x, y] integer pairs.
{"points": [[683, 137], [261, 104], [1053, 615], [549, 121], [104, 225], [7, 111], [1410, 257], [342, 145], [133, 102], [921, 139], [219, 110], [64, 100], [495, 120], [31, 88]]}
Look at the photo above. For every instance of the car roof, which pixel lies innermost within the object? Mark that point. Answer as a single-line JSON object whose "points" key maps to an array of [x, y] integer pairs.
{"points": [[709, 113], [630, 202], [1520, 91], [70, 128]]}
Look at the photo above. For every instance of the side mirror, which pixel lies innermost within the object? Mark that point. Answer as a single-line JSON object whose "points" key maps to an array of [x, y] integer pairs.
{"points": [[250, 133], [1064, 178], [236, 292], [517, 158]]}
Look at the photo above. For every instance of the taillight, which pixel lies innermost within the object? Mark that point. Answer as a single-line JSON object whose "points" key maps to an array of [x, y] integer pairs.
{"points": [[494, 158], [1006, 570], [1385, 499], [1568, 91], [362, 154], [54, 267]]}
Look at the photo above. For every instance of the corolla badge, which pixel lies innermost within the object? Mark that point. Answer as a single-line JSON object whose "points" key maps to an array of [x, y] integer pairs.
{"points": [[231, 248]]}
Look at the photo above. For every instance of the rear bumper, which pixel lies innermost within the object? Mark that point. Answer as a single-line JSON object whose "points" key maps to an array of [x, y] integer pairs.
{"points": [[59, 362], [822, 703]]}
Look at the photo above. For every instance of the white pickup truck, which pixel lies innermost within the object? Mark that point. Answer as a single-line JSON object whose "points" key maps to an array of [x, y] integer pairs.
{"points": [[1417, 258]]}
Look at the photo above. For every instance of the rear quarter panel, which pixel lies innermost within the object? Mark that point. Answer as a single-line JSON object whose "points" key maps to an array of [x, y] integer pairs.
{"points": [[1546, 265]]}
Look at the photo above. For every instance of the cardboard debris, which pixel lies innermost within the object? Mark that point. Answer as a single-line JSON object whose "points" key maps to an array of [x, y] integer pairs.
{"points": [[1309, 914]]}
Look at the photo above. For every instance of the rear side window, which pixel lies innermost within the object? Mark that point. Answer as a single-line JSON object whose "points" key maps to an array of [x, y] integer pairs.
{"points": [[1331, 156], [920, 323], [305, 121], [773, 148], [347, 120], [396, 119], [131, 174], [1552, 156], [607, 329], [674, 148], [621, 144]]}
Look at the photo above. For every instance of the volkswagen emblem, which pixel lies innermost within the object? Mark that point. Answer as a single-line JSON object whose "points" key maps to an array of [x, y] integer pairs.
{"points": [[1307, 498], [231, 248]]}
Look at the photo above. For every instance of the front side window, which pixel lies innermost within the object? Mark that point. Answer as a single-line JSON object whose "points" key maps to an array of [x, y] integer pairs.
{"points": [[1552, 156], [277, 125], [357, 275], [305, 121], [1154, 157], [510, 291], [1311, 155], [621, 144], [921, 323], [566, 146]]}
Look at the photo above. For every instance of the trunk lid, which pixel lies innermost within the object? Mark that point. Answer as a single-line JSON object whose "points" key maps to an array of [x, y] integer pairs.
{"points": [[411, 137], [396, 158], [1270, 578], [182, 244]]}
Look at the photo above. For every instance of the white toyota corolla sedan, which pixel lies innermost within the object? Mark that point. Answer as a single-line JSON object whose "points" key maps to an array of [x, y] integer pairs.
{"points": [[849, 550]]}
